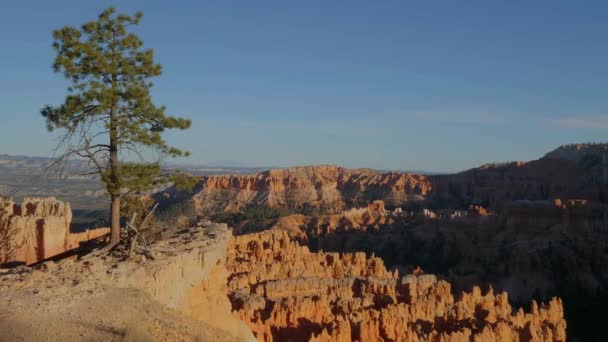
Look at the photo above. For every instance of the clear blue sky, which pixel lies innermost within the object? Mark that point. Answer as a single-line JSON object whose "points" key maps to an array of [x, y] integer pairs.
{"points": [[432, 85]]}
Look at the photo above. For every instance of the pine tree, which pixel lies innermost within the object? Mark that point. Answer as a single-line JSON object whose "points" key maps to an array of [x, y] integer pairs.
{"points": [[108, 115]]}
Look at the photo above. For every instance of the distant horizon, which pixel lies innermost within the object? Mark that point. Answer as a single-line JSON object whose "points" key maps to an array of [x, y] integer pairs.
{"points": [[393, 86], [238, 165], [230, 164]]}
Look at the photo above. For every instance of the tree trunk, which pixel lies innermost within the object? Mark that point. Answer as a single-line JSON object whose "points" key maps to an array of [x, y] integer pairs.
{"points": [[114, 179], [115, 214]]}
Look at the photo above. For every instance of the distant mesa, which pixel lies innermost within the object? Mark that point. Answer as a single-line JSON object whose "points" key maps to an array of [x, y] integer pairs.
{"points": [[327, 187], [577, 152], [573, 171]]}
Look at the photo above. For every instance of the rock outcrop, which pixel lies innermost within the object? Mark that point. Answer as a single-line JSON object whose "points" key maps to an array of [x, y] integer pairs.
{"points": [[329, 188], [184, 284], [37, 229], [285, 292]]}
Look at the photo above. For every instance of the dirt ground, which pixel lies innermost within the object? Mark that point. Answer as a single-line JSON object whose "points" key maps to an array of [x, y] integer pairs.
{"points": [[41, 312], [73, 300]]}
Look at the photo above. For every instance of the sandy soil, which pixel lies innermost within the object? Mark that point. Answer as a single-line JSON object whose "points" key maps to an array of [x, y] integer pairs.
{"points": [[46, 308], [83, 300]]}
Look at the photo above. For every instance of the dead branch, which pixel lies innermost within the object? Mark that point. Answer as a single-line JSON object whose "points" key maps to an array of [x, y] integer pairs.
{"points": [[146, 247]]}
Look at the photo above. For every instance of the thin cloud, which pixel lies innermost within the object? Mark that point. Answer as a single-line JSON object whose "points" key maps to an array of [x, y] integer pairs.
{"points": [[581, 122]]}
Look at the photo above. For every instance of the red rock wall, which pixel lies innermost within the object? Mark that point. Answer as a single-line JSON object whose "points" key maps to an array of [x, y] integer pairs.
{"points": [[39, 229], [335, 188], [327, 187]]}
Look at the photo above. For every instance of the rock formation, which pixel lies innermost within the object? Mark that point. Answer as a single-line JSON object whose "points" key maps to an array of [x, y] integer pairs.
{"points": [[531, 249], [576, 171], [285, 292], [37, 229], [330, 188], [578, 152], [568, 172], [477, 210]]}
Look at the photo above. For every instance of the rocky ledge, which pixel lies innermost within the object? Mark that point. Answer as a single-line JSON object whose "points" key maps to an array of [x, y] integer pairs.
{"points": [[179, 295]]}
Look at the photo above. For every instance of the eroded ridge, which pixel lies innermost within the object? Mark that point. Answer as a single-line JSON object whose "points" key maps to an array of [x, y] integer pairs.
{"points": [[285, 292], [326, 187]]}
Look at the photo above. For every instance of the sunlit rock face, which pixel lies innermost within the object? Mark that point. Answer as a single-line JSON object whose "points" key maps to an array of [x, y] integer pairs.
{"points": [[285, 292], [37, 229], [330, 188], [573, 171]]}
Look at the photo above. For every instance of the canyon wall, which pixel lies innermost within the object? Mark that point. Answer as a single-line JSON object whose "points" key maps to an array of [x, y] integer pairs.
{"points": [[329, 188], [285, 292], [37, 229], [567, 172], [531, 249], [497, 184], [528, 248]]}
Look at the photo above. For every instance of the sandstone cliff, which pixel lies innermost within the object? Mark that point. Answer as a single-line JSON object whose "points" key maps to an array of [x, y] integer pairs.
{"points": [[329, 188], [568, 172], [285, 292], [37, 229]]}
